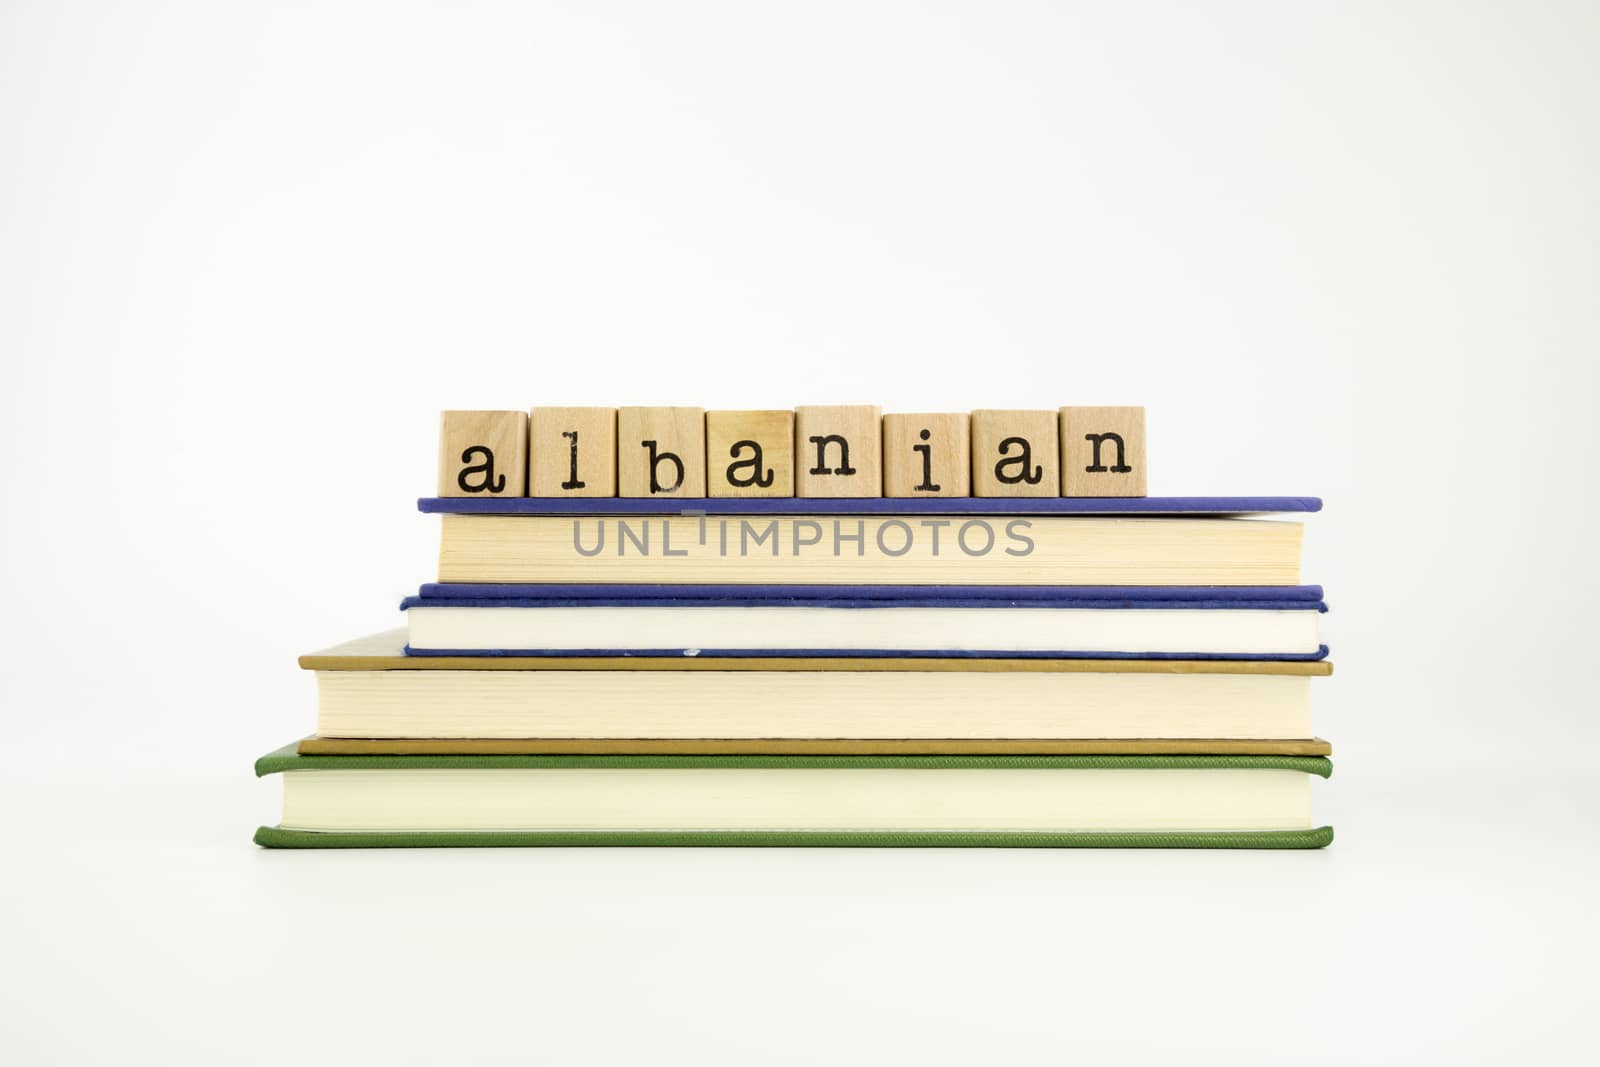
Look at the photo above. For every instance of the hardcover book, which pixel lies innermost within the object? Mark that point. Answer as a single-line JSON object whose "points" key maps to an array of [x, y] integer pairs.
{"points": [[938, 801], [937, 621], [899, 549], [370, 688]]}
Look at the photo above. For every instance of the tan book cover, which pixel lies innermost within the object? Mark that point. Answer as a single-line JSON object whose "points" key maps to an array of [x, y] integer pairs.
{"points": [[385, 652]]}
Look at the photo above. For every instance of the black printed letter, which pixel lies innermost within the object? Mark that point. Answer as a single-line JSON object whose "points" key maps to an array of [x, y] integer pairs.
{"points": [[572, 479], [822, 444], [1120, 467], [754, 463], [655, 465], [490, 483], [1033, 477], [927, 485]]}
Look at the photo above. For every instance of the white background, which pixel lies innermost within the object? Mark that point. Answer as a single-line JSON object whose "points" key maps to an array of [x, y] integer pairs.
{"points": [[250, 251]]}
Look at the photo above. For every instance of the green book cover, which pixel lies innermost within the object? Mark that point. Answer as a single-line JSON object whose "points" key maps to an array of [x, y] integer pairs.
{"points": [[287, 760]]}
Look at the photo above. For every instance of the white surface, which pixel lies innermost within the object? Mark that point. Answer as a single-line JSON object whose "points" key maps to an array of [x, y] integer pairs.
{"points": [[248, 254]]}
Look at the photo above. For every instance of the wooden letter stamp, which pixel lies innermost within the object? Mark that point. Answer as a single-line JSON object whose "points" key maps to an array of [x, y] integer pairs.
{"points": [[1102, 452], [483, 453], [750, 453], [926, 455], [1015, 453], [572, 452], [661, 452], [838, 451]]}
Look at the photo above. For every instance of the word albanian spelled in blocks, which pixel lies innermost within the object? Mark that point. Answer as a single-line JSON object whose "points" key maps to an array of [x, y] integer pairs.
{"points": [[813, 452]]}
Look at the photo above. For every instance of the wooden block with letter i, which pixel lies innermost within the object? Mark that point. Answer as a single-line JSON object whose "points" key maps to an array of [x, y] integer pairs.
{"points": [[661, 452], [483, 453], [1102, 452], [572, 452], [926, 455], [838, 451], [1015, 453], [750, 453]]}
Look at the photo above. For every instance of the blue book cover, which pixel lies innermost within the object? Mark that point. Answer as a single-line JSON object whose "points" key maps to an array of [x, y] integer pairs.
{"points": [[1142, 505], [1112, 597]]}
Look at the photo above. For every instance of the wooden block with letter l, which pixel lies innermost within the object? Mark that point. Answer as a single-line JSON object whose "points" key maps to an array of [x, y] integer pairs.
{"points": [[1016, 453], [926, 455], [750, 453], [483, 453], [572, 452], [838, 451], [661, 452], [1102, 452]]}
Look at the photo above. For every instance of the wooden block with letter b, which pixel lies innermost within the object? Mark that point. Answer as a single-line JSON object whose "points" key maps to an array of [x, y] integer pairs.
{"points": [[661, 452], [572, 452], [926, 455], [838, 451], [1016, 453], [1102, 452], [483, 453], [750, 453]]}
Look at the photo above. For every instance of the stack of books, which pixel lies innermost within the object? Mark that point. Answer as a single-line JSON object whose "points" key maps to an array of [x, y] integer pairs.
{"points": [[1040, 671]]}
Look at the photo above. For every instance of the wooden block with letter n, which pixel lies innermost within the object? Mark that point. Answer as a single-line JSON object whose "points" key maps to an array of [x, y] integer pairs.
{"points": [[838, 451], [1102, 452], [750, 453], [926, 455], [1015, 453], [572, 452], [661, 452], [483, 453]]}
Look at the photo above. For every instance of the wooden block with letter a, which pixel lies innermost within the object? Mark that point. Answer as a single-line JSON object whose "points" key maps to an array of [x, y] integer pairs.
{"points": [[926, 455], [572, 452], [750, 453], [1102, 452], [838, 451], [661, 452], [483, 453], [1015, 453]]}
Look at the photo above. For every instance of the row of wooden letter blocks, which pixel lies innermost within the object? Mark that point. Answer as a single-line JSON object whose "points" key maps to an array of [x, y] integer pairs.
{"points": [[835, 451]]}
